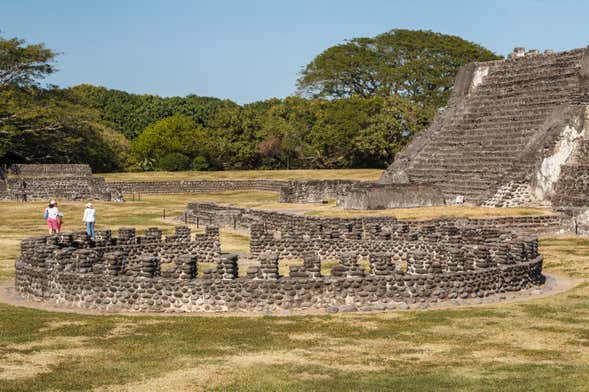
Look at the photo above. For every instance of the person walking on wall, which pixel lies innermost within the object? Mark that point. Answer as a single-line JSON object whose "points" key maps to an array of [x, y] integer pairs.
{"points": [[90, 219], [51, 214]]}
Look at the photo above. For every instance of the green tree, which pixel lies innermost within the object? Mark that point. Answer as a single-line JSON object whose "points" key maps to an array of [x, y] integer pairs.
{"points": [[416, 64], [334, 134], [174, 161], [388, 131], [199, 163], [39, 126], [132, 113], [24, 65], [176, 134], [282, 138]]}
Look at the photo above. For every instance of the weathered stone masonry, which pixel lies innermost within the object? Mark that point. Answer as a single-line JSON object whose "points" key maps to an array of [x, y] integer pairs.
{"points": [[194, 186], [243, 218], [314, 191], [124, 273], [44, 182], [509, 134], [361, 195]]}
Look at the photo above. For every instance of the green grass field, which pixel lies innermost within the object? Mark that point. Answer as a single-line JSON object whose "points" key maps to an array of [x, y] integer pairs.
{"points": [[542, 344]]}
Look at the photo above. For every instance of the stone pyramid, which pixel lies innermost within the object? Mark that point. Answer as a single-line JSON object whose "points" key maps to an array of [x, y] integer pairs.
{"points": [[514, 133]]}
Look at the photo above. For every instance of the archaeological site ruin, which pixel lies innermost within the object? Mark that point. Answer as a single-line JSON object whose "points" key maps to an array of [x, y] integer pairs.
{"points": [[514, 133], [409, 263], [45, 182]]}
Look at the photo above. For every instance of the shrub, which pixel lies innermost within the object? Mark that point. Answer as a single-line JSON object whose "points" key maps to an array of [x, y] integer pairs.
{"points": [[200, 163], [173, 161]]}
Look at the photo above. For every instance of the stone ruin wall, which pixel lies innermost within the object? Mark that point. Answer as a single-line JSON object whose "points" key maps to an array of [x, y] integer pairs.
{"points": [[314, 191], [124, 273], [510, 128], [50, 170], [68, 188], [59, 181], [361, 195], [572, 187], [373, 196], [195, 186], [238, 218]]}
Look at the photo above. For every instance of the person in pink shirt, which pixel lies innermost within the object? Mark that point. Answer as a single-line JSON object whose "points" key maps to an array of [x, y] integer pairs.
{"points": [[52, 215]]}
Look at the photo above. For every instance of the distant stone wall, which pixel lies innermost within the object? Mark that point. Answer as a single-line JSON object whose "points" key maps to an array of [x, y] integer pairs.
{"points": [[298, 226], [43, 170], [69, 188], [126, 273], [195, 186], [45, 182], [372, 196], [314, 191]]}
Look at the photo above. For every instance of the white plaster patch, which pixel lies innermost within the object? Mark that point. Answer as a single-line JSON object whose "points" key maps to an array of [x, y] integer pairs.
{"points": [[479, 75], [550, 169], [583, 223]]}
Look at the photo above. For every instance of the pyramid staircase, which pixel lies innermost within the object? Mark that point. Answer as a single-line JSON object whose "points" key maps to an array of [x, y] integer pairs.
{"points": [[491, 137]]}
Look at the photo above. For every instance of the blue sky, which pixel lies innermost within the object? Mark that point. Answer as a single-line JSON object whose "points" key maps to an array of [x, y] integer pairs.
{"points": [[252, 50]]}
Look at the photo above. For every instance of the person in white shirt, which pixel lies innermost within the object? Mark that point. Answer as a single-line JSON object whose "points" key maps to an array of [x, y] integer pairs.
{"points": [[90, 219]]}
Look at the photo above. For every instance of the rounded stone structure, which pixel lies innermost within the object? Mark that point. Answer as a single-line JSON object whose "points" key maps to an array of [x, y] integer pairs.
{"points": [[152, 273]]}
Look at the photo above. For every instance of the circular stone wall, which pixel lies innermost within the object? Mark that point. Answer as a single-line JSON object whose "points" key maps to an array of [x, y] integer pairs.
{"points": [[153, 273]]}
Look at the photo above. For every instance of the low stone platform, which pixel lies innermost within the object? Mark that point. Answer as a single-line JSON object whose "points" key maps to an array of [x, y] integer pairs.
{"points": [[54, 181], [373, 196]]}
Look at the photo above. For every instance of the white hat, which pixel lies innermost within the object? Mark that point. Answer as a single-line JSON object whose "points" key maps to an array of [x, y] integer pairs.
{"points": [[52, 202]]}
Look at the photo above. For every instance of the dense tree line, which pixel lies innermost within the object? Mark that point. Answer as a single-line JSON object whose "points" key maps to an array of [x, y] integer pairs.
{"points": [[359, 103], [290, 133], [39, 124]]}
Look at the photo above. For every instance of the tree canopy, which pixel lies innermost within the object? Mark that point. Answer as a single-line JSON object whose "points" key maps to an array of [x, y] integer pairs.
{"points": [[40, 125], [24, 65], [132, 113], [416, 64], [290, 133], [368, 97]]}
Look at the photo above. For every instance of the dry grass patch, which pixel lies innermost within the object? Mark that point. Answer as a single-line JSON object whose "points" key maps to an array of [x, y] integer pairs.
{"points": [[330, 210], [53, 325], [47, 343], [28, 360], [305, 376], [190, 378], [306, 336], [336, 359], [235, 242], [567, 254], [18, 366], [125, 328], [325, 174]]}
